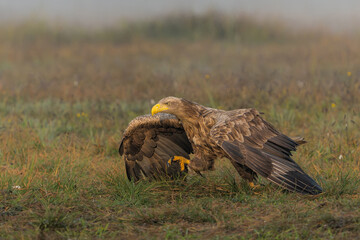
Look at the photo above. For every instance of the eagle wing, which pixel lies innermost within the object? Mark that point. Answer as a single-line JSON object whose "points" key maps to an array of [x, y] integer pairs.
{"points": [[149, 142], [251, 141]]}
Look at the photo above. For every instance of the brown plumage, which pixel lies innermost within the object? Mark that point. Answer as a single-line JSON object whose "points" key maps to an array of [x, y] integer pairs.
{"points": [[149, 142], [251, 144]]}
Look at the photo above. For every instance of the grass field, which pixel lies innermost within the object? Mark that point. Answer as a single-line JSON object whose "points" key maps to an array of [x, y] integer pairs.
{"points": [[67, 94]]}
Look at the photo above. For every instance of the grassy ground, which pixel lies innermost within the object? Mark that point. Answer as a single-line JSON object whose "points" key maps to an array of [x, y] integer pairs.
{"points": [[67, 95]]}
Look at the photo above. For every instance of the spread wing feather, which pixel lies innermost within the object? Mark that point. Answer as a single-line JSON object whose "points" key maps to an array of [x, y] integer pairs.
{"points": [[251, 141], [149, 142]]}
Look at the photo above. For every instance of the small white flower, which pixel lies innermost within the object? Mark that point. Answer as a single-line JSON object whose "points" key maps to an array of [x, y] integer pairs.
{"points": [[16, 187], [341, 156], [76, 83]]}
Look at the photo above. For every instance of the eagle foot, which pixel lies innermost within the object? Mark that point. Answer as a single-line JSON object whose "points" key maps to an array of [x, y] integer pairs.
{"points": [[253, 185], [181, 160]]}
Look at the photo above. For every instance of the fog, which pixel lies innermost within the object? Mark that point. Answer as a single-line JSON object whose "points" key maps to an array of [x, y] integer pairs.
{"points": [[335, 15]]}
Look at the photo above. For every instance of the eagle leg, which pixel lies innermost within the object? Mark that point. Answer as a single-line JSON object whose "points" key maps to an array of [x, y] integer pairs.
{"points": [[181, 160]]}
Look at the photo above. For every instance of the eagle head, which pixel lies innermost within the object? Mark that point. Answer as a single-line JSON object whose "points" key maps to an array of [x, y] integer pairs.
{"points": [[170, 105]]}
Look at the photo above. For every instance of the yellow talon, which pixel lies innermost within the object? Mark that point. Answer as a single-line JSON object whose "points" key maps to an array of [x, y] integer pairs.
{"points": [[253, 186], [182, 161]]}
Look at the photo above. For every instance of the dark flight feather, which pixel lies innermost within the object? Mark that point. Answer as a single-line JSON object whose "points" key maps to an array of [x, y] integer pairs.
{"points": [[263, 149], [149, 142]]}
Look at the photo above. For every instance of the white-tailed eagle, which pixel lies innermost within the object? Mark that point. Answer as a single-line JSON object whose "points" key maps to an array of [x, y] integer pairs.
{"points": [[159, 145]]}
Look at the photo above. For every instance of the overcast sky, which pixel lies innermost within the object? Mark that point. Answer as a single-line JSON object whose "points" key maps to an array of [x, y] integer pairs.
{"points": [[335, 14]]}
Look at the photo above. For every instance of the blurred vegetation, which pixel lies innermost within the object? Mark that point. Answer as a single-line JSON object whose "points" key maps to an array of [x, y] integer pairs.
{"points": [[179, 27], [66, 95], [212, 26]]}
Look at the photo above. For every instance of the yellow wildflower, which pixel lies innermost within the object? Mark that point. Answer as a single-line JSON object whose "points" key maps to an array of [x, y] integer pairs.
{"points": [[333, 105], [78, 115], [349, 74]]}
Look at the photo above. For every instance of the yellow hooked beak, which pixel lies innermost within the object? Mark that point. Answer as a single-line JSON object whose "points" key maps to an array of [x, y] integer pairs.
{"points": [[158, 108]]}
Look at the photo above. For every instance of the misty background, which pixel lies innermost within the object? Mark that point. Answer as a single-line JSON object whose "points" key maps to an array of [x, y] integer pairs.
{"points": [[330, 14]]}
